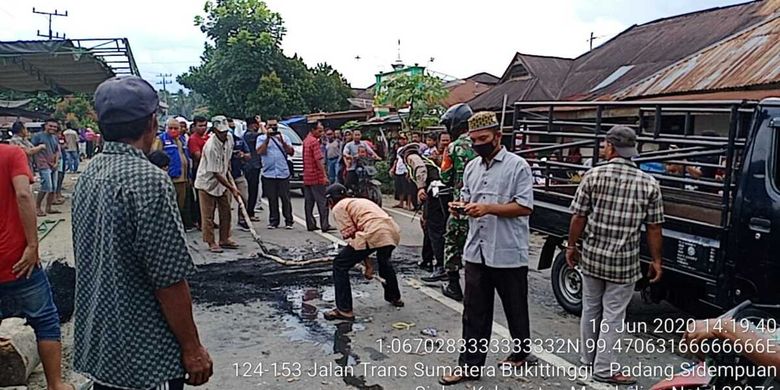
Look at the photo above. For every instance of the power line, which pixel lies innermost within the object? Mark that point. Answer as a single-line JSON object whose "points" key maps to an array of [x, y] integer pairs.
{"points": [[51, 35], [164, 82]]}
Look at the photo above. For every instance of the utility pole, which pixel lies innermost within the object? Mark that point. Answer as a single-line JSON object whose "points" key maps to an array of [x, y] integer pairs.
{"points": [[51, 35], [591, 39], [164, 82]]}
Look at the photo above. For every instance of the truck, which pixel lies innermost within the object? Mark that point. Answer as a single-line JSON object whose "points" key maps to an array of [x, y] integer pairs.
{"points": [[718, 164]]}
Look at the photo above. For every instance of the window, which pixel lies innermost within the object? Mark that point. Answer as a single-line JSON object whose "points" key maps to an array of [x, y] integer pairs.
{"points": [[517, 71]]}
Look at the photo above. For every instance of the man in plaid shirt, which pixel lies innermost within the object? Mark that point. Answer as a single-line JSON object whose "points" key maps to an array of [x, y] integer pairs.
{"points": [[611, 204]]}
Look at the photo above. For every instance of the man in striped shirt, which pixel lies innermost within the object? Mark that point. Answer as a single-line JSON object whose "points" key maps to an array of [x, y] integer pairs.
{"points": [[612, 203]]}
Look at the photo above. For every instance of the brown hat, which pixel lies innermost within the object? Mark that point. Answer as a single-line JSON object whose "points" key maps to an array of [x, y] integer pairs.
{"points": [[482, 121]]}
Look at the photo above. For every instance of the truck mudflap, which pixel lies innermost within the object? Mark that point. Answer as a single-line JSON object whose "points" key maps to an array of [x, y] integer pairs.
{"points": [[551, 244]]}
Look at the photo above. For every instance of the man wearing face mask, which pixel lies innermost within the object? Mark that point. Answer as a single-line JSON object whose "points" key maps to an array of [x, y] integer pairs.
{"points": [[132, 257], [174, 144], [497, 197]]}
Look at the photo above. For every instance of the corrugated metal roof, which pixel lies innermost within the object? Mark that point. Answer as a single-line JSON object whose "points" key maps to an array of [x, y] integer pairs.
{"points": [[655, 45], [543, 82], [750, 57]]}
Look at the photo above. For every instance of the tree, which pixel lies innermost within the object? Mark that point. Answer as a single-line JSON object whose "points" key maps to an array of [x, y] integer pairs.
{"points": [[421, 93], [183, 103], [78, 110], [244, 72]]}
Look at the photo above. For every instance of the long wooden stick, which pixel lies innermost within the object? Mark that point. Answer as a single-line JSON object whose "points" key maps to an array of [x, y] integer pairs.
{"points": [[264, 251]]}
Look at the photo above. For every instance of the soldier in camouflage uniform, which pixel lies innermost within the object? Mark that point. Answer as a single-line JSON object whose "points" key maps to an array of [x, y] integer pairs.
{"points": [[454, 161]]}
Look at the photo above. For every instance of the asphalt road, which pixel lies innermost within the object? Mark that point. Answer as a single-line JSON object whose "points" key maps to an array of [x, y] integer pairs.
{"points": [[263, 325]]}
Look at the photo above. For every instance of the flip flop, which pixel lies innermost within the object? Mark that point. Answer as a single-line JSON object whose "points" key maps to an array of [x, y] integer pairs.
{"points": [[528, 361], [54, 212], [445, 382], [617, 379], [403, 325], [334, 315], [41, 214], [215, 249], [229, 245]]}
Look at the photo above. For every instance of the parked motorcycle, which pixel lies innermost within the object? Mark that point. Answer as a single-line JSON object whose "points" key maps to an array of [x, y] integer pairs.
{"points": [[704, 375], [367, 187]]}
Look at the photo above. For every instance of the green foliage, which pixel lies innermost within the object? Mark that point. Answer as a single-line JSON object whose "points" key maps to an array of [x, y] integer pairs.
{"points": [[183, 103], [350, 125], [422, 93], [383, 175], [78, 110], [39, 101], [243, 71]]}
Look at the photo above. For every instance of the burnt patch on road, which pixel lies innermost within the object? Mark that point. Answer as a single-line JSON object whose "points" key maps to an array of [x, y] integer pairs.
{"points": [[250, 279], [256, 278]]}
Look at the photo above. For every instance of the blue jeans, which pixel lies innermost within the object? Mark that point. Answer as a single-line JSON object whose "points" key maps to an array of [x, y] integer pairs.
{"points": [[72, 160], [31, 299], [334, 166]]}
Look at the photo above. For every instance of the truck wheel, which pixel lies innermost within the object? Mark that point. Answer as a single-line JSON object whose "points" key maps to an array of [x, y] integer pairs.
{"points": [[567, 285], [375, 195]]}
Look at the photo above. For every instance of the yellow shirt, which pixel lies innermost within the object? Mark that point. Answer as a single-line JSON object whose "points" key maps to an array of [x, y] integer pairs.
{"points": [[365, 225]]}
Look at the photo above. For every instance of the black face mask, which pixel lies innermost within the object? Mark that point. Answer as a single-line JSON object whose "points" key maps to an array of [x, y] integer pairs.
{"points": [[484, 150]]}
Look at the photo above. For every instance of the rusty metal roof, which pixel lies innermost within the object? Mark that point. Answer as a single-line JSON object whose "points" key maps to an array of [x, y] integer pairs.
{"points": [[748, 58], [653, 46], [544, 79]]}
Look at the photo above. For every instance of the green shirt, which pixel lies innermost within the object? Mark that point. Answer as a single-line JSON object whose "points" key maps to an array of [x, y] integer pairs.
{"points": [[453, 165]]}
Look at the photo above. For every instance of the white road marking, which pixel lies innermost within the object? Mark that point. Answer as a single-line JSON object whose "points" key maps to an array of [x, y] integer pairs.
{"points": [[498, 329], [302, 222], [502, 331], [402, 213]]}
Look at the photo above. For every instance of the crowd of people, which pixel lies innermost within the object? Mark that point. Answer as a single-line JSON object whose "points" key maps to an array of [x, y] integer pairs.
{"points": [[133, 202]]}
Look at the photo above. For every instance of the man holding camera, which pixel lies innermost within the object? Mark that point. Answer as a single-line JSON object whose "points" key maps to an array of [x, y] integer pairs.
{"points": [[497, 196], [273, 148]]}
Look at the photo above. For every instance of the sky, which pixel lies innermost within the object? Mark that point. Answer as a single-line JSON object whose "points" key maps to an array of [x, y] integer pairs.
{"points": [[457, 39]]}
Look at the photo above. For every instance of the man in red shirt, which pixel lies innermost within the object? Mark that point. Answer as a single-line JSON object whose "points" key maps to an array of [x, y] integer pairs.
{"points": [[24, 289], [195, 145], [315, 178]]}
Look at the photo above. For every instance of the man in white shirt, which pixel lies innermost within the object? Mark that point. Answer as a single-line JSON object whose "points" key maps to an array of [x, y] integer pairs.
{"points": [[215, 184]]}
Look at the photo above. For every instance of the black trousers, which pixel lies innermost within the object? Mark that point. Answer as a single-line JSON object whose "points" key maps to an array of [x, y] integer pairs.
{"points": [[427, 249], [278, 190], [316, 195], [482, 283], [253, 182], [435, 211], [347, 258], [351, 180], [173, 384]]}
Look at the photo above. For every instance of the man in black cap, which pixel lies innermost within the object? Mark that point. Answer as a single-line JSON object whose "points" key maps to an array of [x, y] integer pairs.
{"points": [[367, 229], [612, 203], [134, 327]]}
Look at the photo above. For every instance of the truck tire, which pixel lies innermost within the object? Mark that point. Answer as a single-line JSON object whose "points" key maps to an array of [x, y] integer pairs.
{"points": [[375, 195], [566, 285]]}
